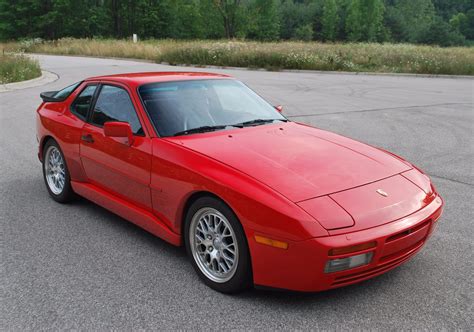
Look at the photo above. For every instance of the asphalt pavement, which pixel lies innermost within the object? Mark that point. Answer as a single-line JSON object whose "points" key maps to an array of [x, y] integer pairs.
{"points": [[78, 266]]}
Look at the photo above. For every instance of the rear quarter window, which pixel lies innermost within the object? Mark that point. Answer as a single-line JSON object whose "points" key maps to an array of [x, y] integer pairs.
{"points": [[66, 92], [81, 105]]}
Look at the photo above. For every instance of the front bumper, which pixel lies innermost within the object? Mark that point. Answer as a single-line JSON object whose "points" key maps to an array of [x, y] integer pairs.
{"points": [[301, 266]]}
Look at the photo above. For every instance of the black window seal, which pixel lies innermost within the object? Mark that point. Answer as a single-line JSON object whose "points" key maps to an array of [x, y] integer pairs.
{"points": [[92, 106], [146, 110]]}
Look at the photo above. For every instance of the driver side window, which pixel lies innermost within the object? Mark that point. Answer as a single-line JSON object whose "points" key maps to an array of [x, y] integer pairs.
{"points": [[114, 104]]}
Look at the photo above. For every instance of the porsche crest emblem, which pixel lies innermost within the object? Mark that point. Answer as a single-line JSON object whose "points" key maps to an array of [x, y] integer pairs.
{"points": [[382, 193]]}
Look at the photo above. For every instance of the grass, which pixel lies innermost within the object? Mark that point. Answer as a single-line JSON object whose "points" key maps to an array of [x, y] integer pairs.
{"points": [[352, 57], [16, 68]]}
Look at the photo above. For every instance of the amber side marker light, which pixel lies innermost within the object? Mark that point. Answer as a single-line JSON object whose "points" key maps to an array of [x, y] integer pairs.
{"points": [[270, 242]]}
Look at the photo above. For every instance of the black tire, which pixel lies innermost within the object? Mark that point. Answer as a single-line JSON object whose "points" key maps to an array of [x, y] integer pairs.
{"points": [[242, 277], [67, 194]]}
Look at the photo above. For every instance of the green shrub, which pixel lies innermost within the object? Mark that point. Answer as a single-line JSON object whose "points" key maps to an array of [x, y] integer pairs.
{"points": [[15, 68], [354, 57]]}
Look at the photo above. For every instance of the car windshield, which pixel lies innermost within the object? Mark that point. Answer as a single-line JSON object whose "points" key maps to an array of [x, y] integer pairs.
{"points": [[188, 107]]}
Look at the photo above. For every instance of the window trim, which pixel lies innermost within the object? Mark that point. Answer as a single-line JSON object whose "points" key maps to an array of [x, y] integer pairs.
{"points": [[137, 91], [84, 119], [96, 97]]}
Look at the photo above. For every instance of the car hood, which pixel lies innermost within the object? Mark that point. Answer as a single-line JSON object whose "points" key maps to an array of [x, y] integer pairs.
{"points": [[298, 161]]}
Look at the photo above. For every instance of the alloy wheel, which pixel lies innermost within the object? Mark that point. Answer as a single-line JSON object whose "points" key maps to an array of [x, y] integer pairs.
{"points": [[55, 170], [214, 245]]}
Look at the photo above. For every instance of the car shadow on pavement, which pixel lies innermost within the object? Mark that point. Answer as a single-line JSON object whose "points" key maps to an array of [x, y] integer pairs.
{"points": [[143, 242], [122, 225], [277, 296]]}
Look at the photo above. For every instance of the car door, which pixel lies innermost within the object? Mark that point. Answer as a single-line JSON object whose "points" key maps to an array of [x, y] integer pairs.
{"points": [[111, 163], [68, 130]]}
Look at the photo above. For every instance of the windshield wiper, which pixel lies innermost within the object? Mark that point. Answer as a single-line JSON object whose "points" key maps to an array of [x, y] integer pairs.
{"points": [[257, 122], [205, 129], [202, 129]]}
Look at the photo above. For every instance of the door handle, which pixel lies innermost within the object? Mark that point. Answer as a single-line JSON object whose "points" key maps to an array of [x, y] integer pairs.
{"points": [[87, 138]]}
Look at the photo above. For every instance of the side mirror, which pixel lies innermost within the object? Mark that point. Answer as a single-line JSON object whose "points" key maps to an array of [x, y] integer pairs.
{"points": [[279, 108], [119, 129]]}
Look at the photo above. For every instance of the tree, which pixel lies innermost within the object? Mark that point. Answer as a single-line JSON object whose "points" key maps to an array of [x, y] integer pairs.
{"points": [[464, 23], [18, 18], [214, 27], [447, 8], [151, 23], [458, 22], [329, 20], [468, 30], [8, 23], [373, 21], [228, 10], [264, 20], [442, 33], [295, 16], [354, 21], [413, 19], [291, 17], [364, 20], [187, 22], [304, 32]]}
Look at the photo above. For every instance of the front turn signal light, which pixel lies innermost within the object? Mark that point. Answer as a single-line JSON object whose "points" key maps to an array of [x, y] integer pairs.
{"points": [[270, 242]]}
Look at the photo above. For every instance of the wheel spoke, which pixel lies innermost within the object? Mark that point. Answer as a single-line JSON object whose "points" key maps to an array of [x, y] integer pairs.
{"points": [[223, 266], [227, 258], [206, 224], [229, 247], [199, 238], [201, 227], [216, 228], [211, 222]]}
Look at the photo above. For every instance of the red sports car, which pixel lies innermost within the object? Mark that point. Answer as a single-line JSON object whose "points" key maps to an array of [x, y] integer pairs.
{"points": [[201, 160]]}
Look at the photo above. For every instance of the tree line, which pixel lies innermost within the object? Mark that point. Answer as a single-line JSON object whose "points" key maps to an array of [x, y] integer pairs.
{"points": [[442, 22]]}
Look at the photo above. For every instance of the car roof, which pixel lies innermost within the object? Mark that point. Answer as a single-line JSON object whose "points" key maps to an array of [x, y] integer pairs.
{"points": [[155, 77]]}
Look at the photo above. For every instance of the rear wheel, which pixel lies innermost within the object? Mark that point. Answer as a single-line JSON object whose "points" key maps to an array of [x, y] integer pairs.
{"points": [[216, 244], [56, 174]]}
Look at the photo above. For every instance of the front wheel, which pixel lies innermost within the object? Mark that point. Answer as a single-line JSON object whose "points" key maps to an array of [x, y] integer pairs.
{"points": [[216, 245], [56, 174]]}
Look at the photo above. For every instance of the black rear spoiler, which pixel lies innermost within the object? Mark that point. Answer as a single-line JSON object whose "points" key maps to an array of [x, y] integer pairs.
{"points": [[48, 96]]}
